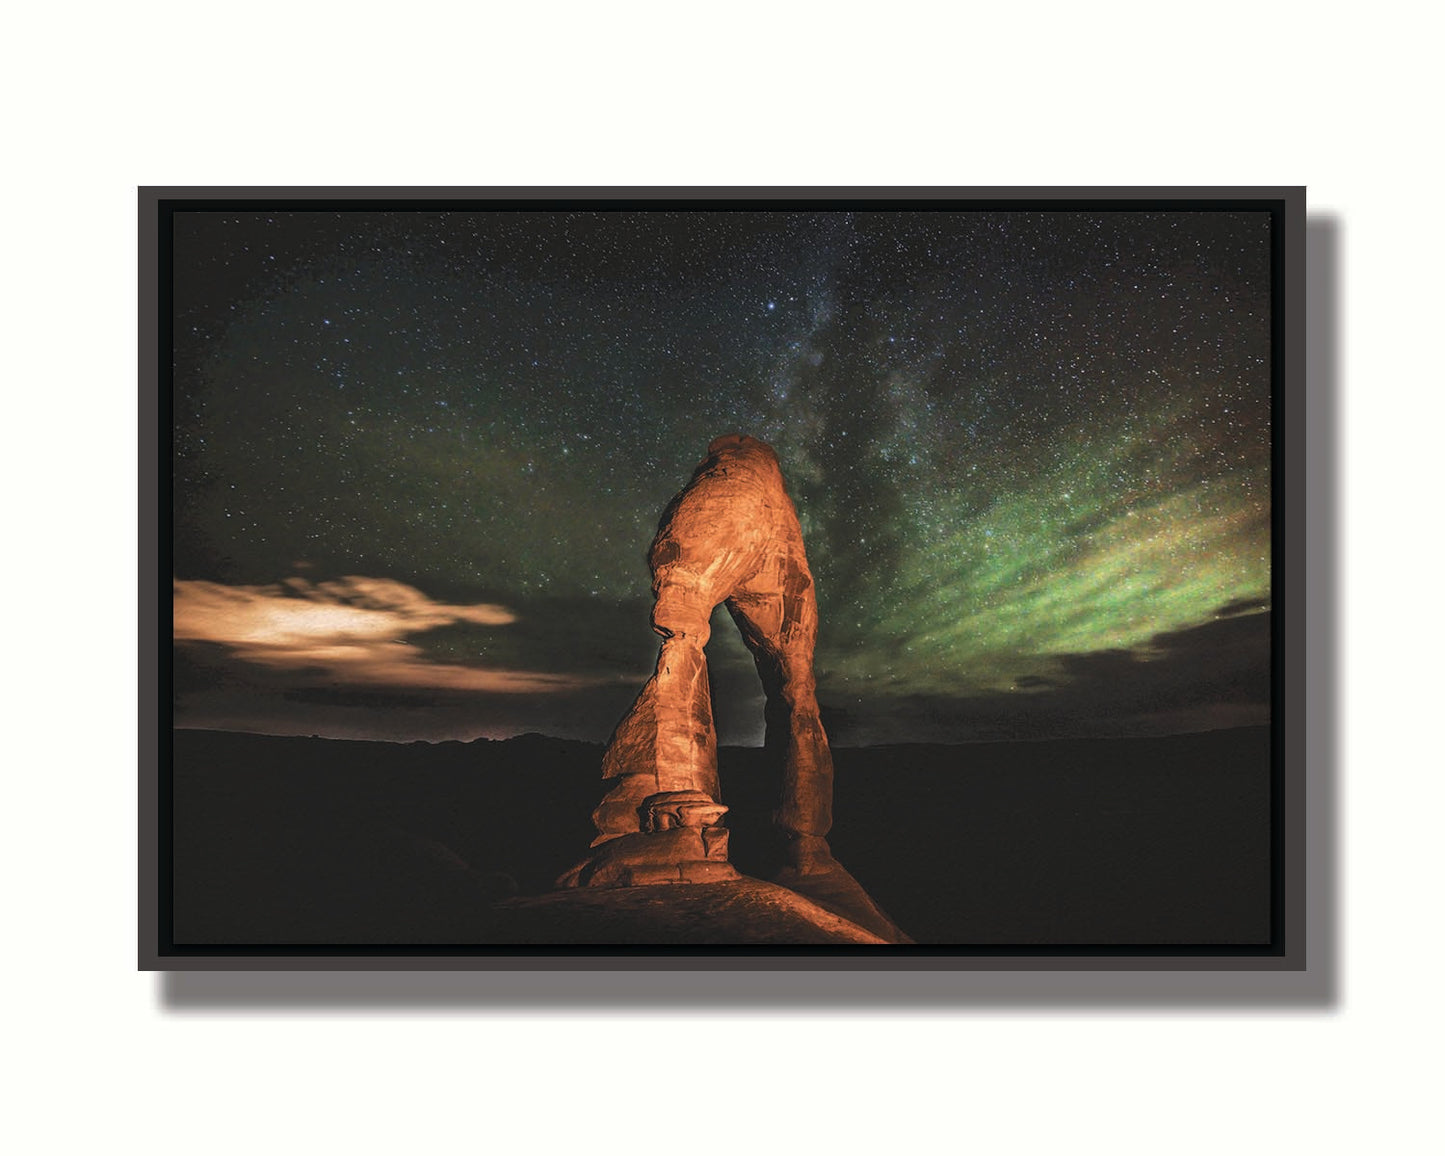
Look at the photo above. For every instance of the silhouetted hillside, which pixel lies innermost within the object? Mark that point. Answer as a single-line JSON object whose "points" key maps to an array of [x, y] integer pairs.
{"points": [[1134, 841]]}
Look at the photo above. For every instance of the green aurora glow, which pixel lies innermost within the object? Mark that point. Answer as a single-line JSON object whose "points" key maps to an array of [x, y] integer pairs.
{"points": [[1014, 439]]}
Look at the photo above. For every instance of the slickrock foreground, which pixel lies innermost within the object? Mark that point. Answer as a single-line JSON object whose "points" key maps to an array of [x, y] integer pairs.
{"points": [[741, 911]]}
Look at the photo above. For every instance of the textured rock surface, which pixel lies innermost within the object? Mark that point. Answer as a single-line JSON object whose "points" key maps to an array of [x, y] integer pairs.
{"points": [[741, 911], [682, 840], [731, 536], [835, 890]]}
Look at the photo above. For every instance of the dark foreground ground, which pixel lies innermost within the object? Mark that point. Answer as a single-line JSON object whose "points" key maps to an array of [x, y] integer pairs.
{"points": [[1091, 842]]}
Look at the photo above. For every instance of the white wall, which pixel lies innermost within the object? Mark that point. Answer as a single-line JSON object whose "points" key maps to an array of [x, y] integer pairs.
{"points": [[98, 101]]}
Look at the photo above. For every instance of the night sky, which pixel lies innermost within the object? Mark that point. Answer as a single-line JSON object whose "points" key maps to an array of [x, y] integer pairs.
{"points": [[419, 458]]}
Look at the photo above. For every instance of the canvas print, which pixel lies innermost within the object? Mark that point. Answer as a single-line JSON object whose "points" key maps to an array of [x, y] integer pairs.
{"points": [[759, 575]]}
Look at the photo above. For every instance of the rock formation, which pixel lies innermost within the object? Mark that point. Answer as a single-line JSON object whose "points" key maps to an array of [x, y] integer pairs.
{"points": [[731, 536]]}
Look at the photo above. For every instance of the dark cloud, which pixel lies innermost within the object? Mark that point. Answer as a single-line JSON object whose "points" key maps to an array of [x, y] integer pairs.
{"points": [[1203, 678], [1242, 606]]}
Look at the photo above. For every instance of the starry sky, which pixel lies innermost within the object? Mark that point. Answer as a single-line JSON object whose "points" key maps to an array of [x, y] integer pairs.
{"points": [[419, 456]]}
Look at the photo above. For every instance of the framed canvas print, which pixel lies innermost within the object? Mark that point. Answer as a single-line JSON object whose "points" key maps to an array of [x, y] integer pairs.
{"points": [[830, 578]]}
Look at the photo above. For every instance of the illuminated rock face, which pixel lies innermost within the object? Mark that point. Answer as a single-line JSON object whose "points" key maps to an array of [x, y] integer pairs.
{"points": [[731, 536], [681, 841]]}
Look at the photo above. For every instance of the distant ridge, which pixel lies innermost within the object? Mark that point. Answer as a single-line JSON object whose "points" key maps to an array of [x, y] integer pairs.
{"points": [[535, 736]]}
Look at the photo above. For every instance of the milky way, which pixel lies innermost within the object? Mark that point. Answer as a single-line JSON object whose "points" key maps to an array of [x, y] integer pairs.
{"points": [[1030, 452]]}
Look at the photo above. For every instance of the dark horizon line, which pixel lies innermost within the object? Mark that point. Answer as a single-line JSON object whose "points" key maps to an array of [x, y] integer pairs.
{"points": [[602, 744]]}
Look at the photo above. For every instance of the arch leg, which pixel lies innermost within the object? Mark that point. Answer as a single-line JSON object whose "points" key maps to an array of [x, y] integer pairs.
{"points": [[780, 629]]}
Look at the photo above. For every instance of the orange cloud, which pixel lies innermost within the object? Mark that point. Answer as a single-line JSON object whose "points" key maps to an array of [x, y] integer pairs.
{"points": [[353, 630]]}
